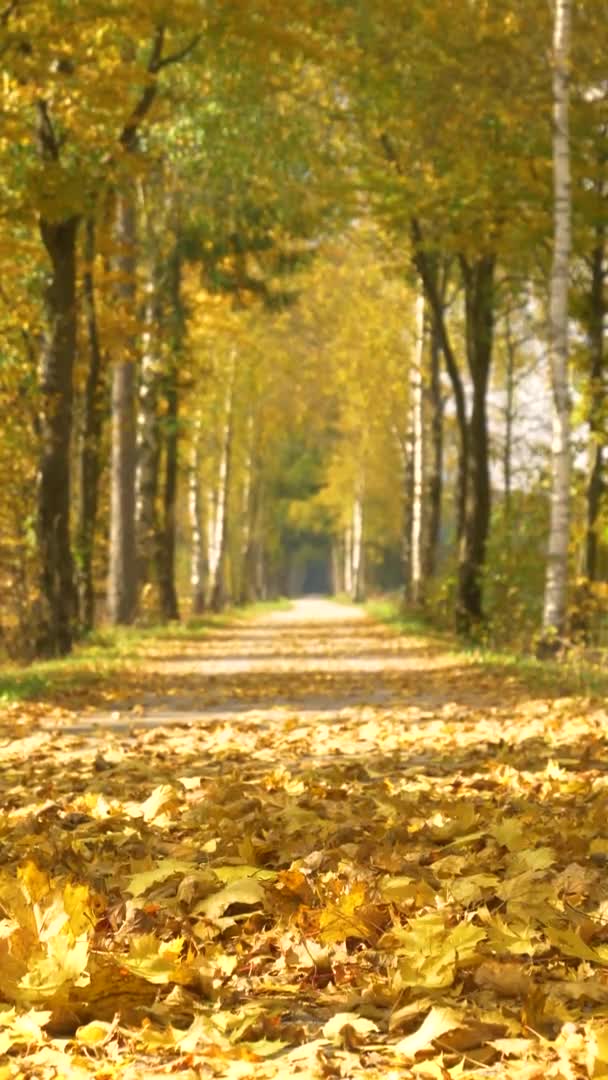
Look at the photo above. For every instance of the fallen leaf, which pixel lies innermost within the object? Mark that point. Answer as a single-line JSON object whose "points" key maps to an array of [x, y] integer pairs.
{"points": [[334, 1028], [437, 1022]]}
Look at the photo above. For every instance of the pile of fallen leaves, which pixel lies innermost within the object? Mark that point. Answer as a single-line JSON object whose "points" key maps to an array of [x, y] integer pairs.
{"points": [[415, 887]]}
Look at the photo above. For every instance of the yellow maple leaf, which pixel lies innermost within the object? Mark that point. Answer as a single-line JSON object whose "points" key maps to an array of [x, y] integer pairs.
{"points": [[62, 965], [431, 951], [434, 1025], [154, 960], [342, 919]]}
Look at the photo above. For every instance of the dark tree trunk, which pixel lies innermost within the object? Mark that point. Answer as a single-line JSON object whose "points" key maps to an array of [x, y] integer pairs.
{"points": [[58, 593], [435, 484], [169, 606], [434, 290], [89, 463], [479, 309], [595, 485], [122, 581]]}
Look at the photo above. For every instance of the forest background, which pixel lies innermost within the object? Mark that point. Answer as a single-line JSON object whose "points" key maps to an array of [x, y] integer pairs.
{"points": [[278, 301]]}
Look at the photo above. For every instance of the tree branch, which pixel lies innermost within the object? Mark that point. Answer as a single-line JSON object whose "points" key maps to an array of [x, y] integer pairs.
{"points": [[8, 11], [156, 63], [49, 143], [128, 137], [181, 54]]}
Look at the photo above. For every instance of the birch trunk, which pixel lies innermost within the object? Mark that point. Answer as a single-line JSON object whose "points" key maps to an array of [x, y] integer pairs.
{"points": [[195, 510], [169, 606], [507, 463], [148, 435], [246, 583], [556, 581], [358, 587], [217, 518], [122, 578], [348, 560], [417, 556]]}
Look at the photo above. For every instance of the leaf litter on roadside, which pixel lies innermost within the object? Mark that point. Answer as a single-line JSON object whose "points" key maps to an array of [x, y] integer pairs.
{"points": [[409, 888]]}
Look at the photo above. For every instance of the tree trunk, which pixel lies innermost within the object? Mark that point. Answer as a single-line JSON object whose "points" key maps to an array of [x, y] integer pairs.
{"points": [[337, 568], [507, 461], [434, 290], [348, 560], [195, 507], [479, 312], [417, 391], [556, 581], [595, 334], [259, 552], [122, 580], [58, 594], [246, 584], [89, 463], [169, 607], [249, 588], [217, 520], [148, 434], [167, 535], [435, 484], [407, 480], [358, 585]]}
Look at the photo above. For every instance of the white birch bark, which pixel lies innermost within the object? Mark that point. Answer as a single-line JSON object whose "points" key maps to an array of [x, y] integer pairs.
{"points": [[148, 444], [217, 531], [197, 546], [122, 571], [357, 549], [554, 610], [417, 554], [348, 560], [216, 512], [245, 586]]}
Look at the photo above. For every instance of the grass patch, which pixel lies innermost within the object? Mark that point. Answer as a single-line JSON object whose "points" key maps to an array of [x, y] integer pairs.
{"points": [[107, 651], [574, 674], [412, 623]]}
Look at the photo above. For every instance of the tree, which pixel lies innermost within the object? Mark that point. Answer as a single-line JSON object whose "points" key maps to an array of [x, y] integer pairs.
{"points": [[554, 610], [93, 409], [122, 577], [460, 198]]}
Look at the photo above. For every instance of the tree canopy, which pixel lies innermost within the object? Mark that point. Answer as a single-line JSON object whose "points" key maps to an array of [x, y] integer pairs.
{"points": [[216, 226]]}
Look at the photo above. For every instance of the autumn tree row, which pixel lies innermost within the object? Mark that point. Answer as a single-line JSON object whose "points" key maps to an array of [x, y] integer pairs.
{"points": [[264, 286]]}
